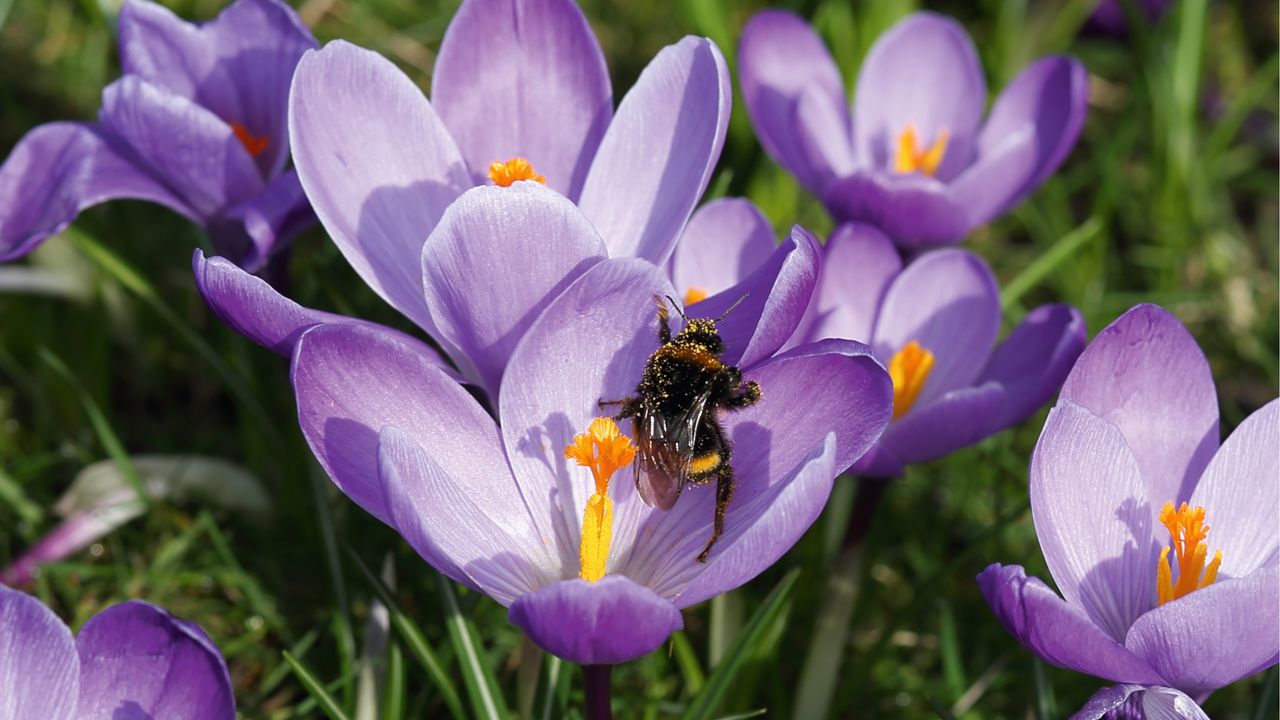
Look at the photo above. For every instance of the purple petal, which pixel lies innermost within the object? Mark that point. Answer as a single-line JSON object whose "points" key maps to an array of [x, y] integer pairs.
{"points": [[657, 156], [923, 72], [822, 127], [1093, 518], [956, 420], [916, 211], [724, 242], [482, 545], [1139, 702], [858, 263], [352, 381], [184, 145], [1055, 630], [377, 164], [252, 231], [59, 169], [498, 256], [877, 462], [1241, 496], [764, 530], [39, 671], [1033, 361], [1213, 636], [602, 623], [1051, 98], [948, 302], [773, 301], [781, 59], [239, 65], [524, 79], [1146, 374], [996, 180], [138, 661]]}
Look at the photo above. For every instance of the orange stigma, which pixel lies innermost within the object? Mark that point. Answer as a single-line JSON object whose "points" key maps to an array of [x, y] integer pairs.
{"points": [[1187, 533], [255, 144], [603, 449], [515, 169], [909, 369], [694, 295], [912, 158]]}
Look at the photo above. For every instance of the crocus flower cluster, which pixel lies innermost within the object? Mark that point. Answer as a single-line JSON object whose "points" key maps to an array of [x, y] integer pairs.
{"points": [[1163, 545], [132, 660], [914, 156], [197, 124]]}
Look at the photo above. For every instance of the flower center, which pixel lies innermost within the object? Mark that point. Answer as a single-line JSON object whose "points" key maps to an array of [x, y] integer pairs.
{"points": [[694, 295], [603, 449], [517, 168], [914, 158], [1187, 533], [909, 369], [255, 144]]}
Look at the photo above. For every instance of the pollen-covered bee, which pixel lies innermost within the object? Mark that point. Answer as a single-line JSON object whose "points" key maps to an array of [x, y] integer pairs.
{"points": [[675, 415]]}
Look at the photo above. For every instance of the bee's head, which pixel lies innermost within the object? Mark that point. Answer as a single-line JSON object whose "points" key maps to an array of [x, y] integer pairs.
{"points": [[702, 331]]}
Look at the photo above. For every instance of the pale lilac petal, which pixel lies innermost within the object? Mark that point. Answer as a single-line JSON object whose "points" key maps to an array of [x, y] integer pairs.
{"points": [[949, 303], [1093, 518], [1241, 495], [138, 661], [822, 124], [254, 230], [996, 180], [767, 528], [781, 59], [1139, 702], [1145, 374], [601, 623], [773, 301], [500, 556], [916, 211], [377, 164], [39, 671], [1213, 636], [1058, 632], [1050, 97], [956, 420], [724, 242], [657, 156], [923, 72], [498, 256], [351, 381], [858, 263], [1033, 361], [57, 170], [524, 79], [188, 147]]}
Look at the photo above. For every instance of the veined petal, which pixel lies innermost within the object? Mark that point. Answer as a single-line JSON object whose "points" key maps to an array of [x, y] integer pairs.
{"points": [[377, 164], [39, 670], [1140, 702], [657, 156], [917, 212], [724, 242], [1033, 361], [136, 660], [956, 420], [254, 230], [524, 78], [858, 263]]}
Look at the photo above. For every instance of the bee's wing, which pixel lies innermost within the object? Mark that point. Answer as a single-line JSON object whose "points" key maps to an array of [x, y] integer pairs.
{"points": [[665, 449]]}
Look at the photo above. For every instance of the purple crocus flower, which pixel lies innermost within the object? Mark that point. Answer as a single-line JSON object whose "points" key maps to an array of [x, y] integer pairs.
{"points": [[132, 660], [1164, 545], [914, 157], [1109, 16], [197, 124]]}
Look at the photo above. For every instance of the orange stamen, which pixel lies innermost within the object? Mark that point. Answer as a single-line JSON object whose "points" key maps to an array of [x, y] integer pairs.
{"points": [[255, 144], [911, 158], [513, 170], [694, 295], [603, 449], [1187, 533], [909, 369]]}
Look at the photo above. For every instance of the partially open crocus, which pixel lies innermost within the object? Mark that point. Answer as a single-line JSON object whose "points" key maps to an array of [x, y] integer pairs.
{"points": [[132, 660], [1163, 545], [914, 156], [197, 124]]}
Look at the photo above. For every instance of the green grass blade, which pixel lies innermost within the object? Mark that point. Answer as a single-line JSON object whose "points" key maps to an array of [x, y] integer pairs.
{"points": [[555, 688], [393, 692], [315, 689], [687, 660], [722, 678], [1041, 267], [482, 686], [820, 673]]}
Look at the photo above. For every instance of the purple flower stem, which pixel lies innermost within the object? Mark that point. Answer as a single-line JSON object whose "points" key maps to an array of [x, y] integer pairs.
{"points": [[596, 679], [865, 503]]}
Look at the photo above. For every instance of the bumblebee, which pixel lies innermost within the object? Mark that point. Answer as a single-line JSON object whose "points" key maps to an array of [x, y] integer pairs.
{"points": [[675, 415]]}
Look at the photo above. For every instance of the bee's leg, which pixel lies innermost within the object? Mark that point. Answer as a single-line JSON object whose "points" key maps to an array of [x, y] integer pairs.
{"points": [[724, 493], [664, 330], [749, 394], [630, 407]]}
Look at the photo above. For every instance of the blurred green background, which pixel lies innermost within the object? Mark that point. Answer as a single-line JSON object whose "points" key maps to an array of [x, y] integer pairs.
{"points": [[1169, 197]]}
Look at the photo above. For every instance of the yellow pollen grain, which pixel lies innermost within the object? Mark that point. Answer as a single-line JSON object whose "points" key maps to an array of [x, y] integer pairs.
{"points": [[255, 144], [1187, 534], [909, 369], [603, 449], [513, 170], [694, 295], [911, 158]]}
